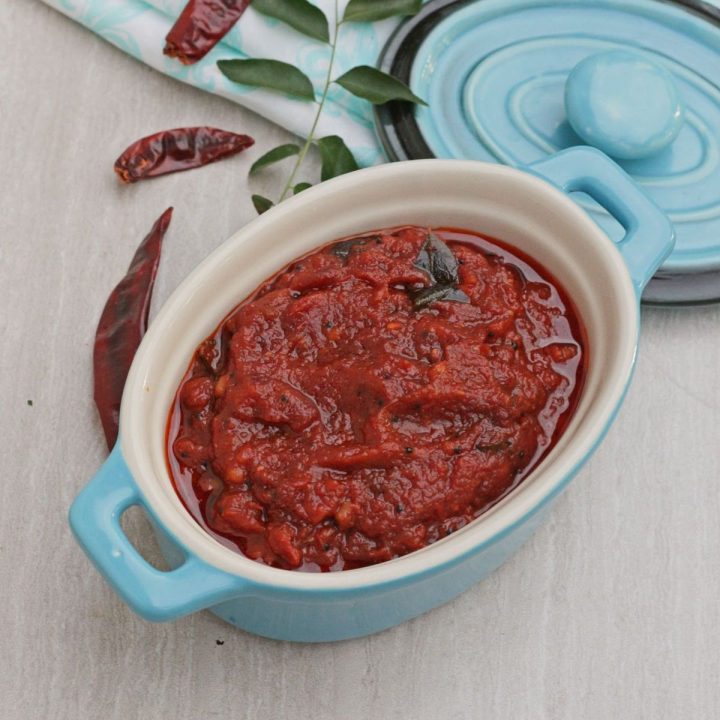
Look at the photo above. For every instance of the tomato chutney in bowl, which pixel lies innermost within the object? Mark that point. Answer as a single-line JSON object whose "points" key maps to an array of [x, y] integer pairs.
{"points": [[310, 432], [373, 397]]}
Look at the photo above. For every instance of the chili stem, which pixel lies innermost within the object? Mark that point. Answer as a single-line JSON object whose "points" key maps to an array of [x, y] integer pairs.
{"points": [[321, 105]]}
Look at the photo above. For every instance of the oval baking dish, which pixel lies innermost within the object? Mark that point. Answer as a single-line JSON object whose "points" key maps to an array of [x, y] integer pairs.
{"points": [[528, 210]]}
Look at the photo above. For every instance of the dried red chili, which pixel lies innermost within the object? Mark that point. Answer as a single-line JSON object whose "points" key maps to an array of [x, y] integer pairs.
{"points": [[122, 325], [201, 25], [179, 149]]}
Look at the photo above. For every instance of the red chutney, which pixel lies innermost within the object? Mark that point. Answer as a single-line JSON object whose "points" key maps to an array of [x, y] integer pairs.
{"points": [[329, 425]]}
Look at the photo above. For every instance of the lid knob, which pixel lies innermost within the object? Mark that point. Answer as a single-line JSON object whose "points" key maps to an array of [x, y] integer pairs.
{"points": [[623, 104]]}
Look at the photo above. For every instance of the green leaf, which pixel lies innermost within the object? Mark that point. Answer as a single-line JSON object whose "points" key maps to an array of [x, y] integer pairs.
{"points": [[298, 14], [270, 75], [438, 261], [344, 248], [378, 87], [300, 187], [275, 155], [428, 295], [336, 157], [371, 10], [262, 204]]}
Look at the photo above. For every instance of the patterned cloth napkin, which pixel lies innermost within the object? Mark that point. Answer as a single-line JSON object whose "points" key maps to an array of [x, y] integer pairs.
{"points": [[139, 28]]}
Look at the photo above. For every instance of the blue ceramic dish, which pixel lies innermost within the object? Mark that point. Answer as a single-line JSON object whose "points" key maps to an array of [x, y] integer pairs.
{"points": [[530, 210]]}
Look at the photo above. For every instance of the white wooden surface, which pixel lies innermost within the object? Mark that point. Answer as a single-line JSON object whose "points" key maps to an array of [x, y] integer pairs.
{"points": [[612, 611]]}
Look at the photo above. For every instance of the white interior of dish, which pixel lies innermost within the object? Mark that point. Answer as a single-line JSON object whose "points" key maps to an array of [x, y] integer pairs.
{"points": [[505, 203]]}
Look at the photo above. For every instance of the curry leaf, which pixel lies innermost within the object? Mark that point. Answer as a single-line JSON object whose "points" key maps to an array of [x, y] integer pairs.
{"points": [[428, 295], [437, 259], [371, 10], [376, 86], [336, 157], [298, 14], [262, 204], [344, 248], [275, 155], [270, 75], [300, 187]]}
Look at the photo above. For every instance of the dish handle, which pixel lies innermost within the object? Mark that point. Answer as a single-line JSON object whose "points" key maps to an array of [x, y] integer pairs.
{"points": [[649, 234], [153, 594]]}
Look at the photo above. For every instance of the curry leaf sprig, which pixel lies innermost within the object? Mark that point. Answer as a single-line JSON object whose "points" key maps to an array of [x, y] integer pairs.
{"points": [[363, 81]]}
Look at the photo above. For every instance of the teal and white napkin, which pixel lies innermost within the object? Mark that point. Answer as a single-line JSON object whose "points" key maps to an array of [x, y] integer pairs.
{"points": [[139, 28]]}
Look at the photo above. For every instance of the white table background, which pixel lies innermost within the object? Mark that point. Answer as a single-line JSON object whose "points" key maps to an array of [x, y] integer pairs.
{"points": [[611, 611]]}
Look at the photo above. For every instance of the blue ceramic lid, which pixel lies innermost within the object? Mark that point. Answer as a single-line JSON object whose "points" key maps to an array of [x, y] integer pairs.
{"points": [[513, 81]]}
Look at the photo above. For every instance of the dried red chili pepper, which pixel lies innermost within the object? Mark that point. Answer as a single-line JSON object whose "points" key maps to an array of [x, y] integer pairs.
{"points": [[122, 325], [179, 149], [201, 25]]}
